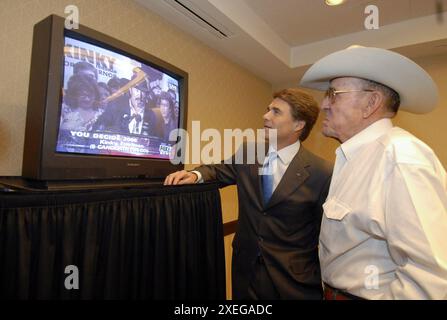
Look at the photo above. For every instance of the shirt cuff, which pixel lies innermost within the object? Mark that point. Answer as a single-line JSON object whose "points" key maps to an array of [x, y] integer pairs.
{"points": [[199, 176]]}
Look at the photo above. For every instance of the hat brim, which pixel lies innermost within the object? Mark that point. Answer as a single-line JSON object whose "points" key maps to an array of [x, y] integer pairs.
{"points": [[417, 90]]}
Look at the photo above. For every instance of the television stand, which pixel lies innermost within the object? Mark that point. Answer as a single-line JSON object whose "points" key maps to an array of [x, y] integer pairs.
{"points": [[12, 184], [118, 239]]}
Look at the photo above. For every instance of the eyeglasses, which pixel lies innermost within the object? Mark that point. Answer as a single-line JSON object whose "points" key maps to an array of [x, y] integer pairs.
{"points": [[331, 93]]}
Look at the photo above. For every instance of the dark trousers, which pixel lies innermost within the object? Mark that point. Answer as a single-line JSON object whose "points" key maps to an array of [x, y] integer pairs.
{"points": [[261, 285]]}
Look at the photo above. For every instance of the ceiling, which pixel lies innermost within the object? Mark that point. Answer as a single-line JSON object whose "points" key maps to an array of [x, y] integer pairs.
{"points": [[278, 39]]}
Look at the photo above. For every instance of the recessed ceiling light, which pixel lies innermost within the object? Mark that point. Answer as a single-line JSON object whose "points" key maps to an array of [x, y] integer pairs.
{"points": [[334, 2]]}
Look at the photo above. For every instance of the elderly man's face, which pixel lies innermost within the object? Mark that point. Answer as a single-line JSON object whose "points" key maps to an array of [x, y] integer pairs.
{"points": [[343, 116]]}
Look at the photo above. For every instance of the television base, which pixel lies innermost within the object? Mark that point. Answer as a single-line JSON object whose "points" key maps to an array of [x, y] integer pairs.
{"points": [[11, 184]]}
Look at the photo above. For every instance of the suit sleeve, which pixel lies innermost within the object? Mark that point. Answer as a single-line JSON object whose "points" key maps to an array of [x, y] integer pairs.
{"points": [[226, 173]]}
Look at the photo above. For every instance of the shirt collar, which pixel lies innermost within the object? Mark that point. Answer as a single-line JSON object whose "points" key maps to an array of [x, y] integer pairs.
{"points": [[367, 135], [286, 154]]}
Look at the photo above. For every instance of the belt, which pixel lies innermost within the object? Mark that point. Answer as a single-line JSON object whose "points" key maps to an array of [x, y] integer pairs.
{"points": [[336, 294]]}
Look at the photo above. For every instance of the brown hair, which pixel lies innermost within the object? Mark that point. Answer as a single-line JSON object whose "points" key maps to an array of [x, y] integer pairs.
{"points": [[303, 107]]}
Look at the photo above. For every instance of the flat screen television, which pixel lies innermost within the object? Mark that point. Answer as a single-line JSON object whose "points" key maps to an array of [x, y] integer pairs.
{"points": [[99, 109]]}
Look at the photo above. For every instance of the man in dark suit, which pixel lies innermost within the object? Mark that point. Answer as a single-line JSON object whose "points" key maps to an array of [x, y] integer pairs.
{"points": [[130, 114], [275, 253]]}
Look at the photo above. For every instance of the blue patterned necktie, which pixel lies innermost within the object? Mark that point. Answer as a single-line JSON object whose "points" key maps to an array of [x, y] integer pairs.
{"points": [[267, 178]]}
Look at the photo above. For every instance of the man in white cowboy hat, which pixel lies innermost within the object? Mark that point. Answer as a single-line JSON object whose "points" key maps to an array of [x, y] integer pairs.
{"points": [[384, 228]]}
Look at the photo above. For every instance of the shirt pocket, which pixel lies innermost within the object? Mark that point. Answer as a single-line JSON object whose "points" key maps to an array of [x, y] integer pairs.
{"points": [[335, 209]]}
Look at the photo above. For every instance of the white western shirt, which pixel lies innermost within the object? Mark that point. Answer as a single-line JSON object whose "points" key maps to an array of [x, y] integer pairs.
{"points": [[384, 227]]}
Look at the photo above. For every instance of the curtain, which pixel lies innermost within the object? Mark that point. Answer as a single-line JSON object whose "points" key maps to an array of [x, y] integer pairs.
{"points": [[157, 243]]}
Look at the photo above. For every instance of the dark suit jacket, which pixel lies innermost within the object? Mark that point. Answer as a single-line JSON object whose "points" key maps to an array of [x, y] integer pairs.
{"points": [[285, 230]]}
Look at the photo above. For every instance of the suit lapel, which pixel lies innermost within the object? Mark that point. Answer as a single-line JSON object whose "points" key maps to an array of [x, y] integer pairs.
{"points": [[293, 178], [256, 177]]}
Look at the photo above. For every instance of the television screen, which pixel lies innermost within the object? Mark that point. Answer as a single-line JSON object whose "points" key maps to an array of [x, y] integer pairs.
{"points": [[115, 105], [99, 108]]}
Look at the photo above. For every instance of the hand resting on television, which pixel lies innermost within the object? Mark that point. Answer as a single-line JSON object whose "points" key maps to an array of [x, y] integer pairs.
{"points": [[181, 177]]}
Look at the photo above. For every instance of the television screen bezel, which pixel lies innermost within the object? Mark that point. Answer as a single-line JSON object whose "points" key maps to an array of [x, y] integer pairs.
{"points": [[41, 161]]}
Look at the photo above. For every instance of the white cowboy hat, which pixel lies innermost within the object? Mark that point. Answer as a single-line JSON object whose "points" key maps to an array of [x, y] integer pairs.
{"points": [[417, 90]]}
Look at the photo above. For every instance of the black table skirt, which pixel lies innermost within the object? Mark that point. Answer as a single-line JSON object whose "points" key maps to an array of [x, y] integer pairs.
{"points": [[144, 243]]}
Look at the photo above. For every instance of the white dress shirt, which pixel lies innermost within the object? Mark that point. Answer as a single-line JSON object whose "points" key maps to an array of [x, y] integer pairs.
{"points": [[279, 164], [384, 228], [282, 161]]}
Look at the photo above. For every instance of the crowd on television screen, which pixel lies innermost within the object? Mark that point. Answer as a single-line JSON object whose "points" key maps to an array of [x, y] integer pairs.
{"points": [[136, 106]]}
